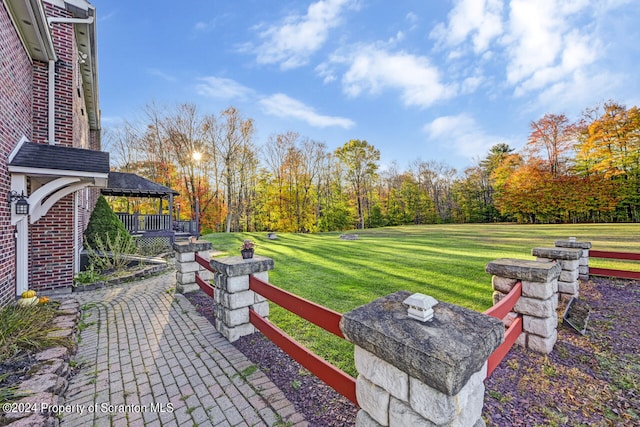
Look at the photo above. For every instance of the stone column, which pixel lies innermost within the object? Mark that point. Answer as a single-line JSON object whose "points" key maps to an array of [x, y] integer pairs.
{"points": [[538, 302], [583, 267], [187, 266], [569, 259], [232, 296], [420, 373]]}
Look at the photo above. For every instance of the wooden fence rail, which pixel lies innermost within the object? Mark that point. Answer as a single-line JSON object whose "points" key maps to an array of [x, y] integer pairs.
{"points": [[323, 317], [500, 311], [622, 274]]}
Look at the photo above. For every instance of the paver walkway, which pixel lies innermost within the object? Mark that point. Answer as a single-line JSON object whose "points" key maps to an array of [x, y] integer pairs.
{"points": [[148, 358]]}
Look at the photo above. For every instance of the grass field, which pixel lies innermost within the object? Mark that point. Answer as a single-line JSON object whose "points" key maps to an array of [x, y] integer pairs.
{"points": [[444, 261]]}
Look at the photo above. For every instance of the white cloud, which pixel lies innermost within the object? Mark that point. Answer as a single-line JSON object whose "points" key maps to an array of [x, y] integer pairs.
{"points": [[463, 134], [478, 20], [544, 46], [580, 91], [412, 18], [204, 27], [218, 87], [281, 105], [292, 43], [159, 73], [372, 70]]}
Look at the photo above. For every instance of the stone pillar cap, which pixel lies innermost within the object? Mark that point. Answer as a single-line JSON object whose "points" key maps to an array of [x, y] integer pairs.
{"points": [[237, 266], [572, 244], [442, 353], [197, 246], [557, 253], [532, 271]]}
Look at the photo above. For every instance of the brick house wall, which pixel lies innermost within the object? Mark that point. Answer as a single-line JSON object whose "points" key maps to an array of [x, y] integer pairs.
{"points": [[15, 122], [54, 240]]}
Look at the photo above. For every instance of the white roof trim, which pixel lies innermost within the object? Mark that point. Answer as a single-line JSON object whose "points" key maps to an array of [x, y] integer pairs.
{"points": [[55, 172], [17, 148], [36, 37], [81, 4]]}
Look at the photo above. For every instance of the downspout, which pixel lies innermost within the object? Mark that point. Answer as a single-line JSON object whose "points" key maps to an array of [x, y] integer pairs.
{"points": [[62, 20], [52, 100], [52, 74]]}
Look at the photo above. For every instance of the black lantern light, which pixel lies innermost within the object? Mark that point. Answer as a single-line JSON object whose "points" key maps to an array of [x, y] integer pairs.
{"points": [[22, 205]]}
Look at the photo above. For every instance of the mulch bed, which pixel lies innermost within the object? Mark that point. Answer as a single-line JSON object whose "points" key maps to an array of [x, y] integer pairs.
{"points": [[587, 380]]}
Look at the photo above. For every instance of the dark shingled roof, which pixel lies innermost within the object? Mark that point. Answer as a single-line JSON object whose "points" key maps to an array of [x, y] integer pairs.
{"points": [[130, 184], [60, 157]]}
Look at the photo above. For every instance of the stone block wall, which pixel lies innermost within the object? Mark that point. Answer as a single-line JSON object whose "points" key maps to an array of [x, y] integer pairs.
{"points": [[583, 264], [186, 264], [420, 373], [232, 295], [539, 300], [569, 260]]}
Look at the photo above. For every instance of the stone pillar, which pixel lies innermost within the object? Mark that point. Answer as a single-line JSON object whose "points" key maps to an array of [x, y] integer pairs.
{"points": [[583, 267], [538, 302], [569, 259], [233, 297], [187, 266], [420, 373]]}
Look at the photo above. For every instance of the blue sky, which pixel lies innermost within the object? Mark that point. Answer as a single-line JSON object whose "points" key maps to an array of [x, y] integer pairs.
{"points": [[418, 79]]}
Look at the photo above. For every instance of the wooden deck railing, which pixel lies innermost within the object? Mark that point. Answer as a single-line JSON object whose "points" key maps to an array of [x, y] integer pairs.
{"points": [[622, 274], [136, 222], [500, 311]]}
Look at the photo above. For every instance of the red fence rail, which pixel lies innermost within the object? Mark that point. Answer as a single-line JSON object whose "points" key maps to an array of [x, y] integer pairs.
{"points": [[500, 311], [622, 274], [323, 317], [204, 285], [332, 376]]}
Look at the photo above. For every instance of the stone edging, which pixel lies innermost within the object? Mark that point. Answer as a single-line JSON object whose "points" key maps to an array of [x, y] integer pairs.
{"points": [[140, 274], [49, 379]]}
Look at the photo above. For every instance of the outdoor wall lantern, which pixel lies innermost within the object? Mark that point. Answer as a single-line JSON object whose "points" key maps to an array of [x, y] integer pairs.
{"points": [[420, 306], [22, 206]]}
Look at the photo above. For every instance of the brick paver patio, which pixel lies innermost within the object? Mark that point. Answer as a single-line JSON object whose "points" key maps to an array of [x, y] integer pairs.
{"points": [[148, 358]]}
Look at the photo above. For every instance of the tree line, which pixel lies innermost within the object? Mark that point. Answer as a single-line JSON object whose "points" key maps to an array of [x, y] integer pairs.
{"points": [[586, 170]]}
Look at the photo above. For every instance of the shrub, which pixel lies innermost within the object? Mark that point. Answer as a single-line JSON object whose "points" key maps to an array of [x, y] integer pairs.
{"points": [[111, 255], [104, 224]]}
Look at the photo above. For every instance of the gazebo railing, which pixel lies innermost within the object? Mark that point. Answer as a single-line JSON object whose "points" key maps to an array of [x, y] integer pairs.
{"points": [[137, 222]]}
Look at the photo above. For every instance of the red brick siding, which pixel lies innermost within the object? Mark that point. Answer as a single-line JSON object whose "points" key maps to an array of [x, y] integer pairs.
{"points": [[63, 40], [52, 237], [52, 248], [40, 101], [15, 122]]}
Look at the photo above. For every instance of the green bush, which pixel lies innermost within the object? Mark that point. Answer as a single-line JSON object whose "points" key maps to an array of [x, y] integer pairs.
{"points": [[110, 256], [104, 226]]}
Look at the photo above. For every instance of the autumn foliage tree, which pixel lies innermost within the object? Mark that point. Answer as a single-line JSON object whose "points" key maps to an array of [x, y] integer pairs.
{"points": [[361, 162], [610, 149], [568, 171], [551, 139]]}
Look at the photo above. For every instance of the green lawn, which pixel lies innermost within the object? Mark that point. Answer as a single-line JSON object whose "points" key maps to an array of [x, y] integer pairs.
{"points": [[444, 261]]}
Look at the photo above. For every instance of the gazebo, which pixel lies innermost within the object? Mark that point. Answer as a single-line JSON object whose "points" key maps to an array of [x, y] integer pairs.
{"points": [[147, 226]]}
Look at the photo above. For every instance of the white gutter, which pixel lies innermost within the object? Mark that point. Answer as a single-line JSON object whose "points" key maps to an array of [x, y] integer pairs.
{"points": [[52, 74]]}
